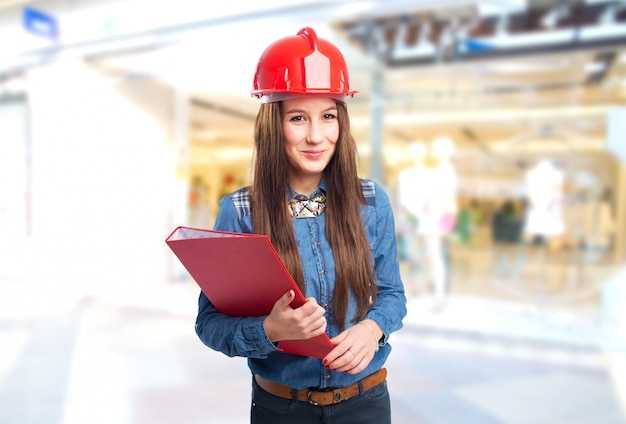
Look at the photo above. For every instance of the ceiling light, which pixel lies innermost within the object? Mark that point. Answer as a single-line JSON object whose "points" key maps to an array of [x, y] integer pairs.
{"points": [[416, 52], [487, 9], [523, 67], [595, 67]]}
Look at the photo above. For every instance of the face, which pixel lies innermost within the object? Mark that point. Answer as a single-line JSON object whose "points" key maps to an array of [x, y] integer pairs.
{"points": [[311, 131]]}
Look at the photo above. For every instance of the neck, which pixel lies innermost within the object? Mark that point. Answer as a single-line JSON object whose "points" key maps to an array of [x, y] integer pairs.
{"points": [[305, 185]]}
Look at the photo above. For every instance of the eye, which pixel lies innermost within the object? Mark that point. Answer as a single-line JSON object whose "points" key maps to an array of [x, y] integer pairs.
{"points": [[296, 118], [329, 116]]}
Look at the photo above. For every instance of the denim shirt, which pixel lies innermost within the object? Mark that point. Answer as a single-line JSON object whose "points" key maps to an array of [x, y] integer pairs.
{"points": [[246, 336]]}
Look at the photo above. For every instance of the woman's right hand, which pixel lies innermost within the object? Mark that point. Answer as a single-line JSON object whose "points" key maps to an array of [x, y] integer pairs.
{"points": [[287, 323]]}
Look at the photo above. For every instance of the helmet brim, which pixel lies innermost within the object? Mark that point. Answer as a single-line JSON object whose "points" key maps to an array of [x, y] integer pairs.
{"points": [[289, 95]]}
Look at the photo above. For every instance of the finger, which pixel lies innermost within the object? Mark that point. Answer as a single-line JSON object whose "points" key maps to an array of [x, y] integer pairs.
{"points": [[311, 313], [338, 339], [319, 326], [357, 369], [348, 360], [335, 358], [311, 300], [311, 307], [338, 350], [353, 363], [341, 359], [315, 323], [285, 300]]}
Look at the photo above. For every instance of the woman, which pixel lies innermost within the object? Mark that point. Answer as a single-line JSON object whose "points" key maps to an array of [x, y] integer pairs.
{"points": [[335, 233]]}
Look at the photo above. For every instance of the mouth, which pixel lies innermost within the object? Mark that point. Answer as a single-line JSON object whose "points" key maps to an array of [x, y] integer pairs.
{"points": [[313, 154]]}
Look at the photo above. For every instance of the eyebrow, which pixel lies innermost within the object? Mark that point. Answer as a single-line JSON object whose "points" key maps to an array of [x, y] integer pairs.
{"points": [[290, 111]]}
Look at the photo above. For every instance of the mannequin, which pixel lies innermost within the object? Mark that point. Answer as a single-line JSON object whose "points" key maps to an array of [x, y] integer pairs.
{"points": [[544, 184], [427, 191], [545, 224], [412, 183], [411, 197]]}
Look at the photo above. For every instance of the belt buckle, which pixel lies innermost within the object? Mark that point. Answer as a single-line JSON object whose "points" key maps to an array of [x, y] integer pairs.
{"points": [[336, 396], [311, 401]]}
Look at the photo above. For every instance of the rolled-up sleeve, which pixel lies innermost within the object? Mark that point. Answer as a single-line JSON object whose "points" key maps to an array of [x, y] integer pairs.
{"points": [[232, 336], [390, 307]]}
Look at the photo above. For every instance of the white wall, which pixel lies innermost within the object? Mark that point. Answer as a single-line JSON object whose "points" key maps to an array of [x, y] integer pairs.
{"points": [[103, 176], [13, 189]]}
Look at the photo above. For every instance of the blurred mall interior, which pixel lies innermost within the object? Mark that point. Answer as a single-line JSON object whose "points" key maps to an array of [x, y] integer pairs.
{"points": [[498, 129]]}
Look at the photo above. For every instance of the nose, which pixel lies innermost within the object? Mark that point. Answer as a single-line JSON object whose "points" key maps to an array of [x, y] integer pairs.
{"points": [[315, 134]]}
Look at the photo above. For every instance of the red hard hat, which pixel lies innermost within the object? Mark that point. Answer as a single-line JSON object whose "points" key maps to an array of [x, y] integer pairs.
{"points": [[301, 64]]}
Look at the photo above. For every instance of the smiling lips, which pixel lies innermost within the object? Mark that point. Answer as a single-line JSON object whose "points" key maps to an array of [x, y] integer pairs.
{"points": [[313, 154]]}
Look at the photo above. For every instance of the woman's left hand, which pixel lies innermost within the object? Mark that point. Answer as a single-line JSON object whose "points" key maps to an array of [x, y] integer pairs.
{"points": [[354, 349]]}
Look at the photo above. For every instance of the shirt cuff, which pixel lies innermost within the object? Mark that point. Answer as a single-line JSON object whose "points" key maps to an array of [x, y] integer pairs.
{"points": [[256, 333]]}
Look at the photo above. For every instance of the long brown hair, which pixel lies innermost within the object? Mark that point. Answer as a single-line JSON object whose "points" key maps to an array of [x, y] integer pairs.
{"points": [[344, 227]]}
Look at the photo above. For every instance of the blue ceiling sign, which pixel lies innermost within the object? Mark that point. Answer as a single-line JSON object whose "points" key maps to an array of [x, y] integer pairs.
{"points": [[40, 23], [477, 46]]}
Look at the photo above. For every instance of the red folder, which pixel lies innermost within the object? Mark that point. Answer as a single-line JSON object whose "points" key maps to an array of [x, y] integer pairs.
{"points": [[243, 276]]}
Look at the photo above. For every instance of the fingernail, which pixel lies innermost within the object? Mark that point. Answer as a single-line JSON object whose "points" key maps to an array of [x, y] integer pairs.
{"points": [[325, 361]]}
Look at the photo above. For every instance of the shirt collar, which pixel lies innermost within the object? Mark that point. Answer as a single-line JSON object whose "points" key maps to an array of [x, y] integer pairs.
{"points": [[321, 188]]}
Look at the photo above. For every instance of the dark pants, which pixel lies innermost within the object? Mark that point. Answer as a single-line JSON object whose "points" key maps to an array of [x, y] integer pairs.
{"points": [[372, 406]]}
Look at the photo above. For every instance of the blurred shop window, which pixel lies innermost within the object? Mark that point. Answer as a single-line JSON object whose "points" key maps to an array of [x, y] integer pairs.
{"points": [[508, 223], [568, 229], [229, 185], [468, 219], [199, 210], [599, 223], [589, 217], [427, 196], [406, 230], [507, 228]]}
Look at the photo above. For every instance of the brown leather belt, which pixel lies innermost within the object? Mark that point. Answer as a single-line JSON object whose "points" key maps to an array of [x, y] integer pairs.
{"points": [[322, 397]]}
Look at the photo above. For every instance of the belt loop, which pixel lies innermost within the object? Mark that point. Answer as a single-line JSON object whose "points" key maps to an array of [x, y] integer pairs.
{"points": [[294, 394], [360, 382]]}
